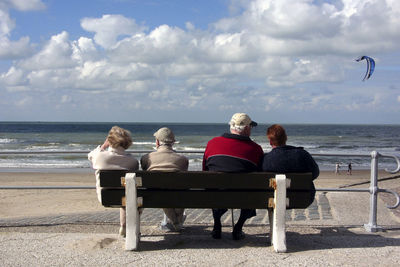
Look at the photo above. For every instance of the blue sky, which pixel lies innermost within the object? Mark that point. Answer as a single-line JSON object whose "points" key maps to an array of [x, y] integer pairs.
{"points": [[199, 61]]}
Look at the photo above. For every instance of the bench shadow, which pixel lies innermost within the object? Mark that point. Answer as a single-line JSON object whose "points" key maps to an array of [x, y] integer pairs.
{"points": [[338, 238], [198, 237]]}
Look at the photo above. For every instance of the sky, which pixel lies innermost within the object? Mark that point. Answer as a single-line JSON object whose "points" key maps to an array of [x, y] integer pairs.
{"points": [[199, 61]]}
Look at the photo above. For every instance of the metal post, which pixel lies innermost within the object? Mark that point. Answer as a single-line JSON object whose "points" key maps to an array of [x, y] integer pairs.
{"points": [[373, 190]]}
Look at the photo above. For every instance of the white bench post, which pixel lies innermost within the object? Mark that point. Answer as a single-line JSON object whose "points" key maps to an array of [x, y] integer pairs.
{"points": [[278, 238], [132, 213]]}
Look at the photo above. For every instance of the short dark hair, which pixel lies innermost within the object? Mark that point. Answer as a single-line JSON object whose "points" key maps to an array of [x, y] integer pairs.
{"points": [[277, 135]]}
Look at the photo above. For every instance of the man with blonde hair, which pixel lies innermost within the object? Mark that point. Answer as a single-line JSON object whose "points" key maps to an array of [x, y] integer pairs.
{"points": [[111, 155], [166, 159], [233, 152]]}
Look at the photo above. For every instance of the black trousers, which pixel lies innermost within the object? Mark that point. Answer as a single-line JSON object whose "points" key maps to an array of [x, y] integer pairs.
{"points": [[244, 213]]}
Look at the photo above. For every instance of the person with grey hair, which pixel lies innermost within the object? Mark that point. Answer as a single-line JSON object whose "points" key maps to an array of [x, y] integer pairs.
{"points": [[166, 159], [233, 152], [111, 155]]}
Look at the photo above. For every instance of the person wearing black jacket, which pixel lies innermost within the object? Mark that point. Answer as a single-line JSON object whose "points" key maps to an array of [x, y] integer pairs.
{"points": [[287, 159]]}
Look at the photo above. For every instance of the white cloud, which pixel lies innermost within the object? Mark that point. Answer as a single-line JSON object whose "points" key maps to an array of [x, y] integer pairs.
{"points": [[10, 49], [6, 23], [83, 50], [23, 5], [57, 53], [108, 28], [269, 56]]}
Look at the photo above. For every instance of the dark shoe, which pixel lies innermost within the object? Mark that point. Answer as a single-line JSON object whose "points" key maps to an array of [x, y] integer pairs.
{"points": [[216, 233], [238, 235]]}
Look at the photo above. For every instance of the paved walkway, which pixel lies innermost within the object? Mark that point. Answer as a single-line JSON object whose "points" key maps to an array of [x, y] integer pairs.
{"points": [[328, 233]]}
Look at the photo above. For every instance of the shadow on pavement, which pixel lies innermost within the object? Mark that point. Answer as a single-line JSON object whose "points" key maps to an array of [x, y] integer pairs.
{"points": [[320, 238]]}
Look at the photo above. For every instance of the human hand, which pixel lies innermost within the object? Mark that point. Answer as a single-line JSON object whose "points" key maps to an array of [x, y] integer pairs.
{"points": [[105, 145]]}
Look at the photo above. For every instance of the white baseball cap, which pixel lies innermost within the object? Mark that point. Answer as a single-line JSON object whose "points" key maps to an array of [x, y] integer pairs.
{"points": [[242, 119]]}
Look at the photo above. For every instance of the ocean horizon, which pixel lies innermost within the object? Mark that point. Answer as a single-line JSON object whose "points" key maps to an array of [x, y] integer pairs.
{"points": [[47, 136]]}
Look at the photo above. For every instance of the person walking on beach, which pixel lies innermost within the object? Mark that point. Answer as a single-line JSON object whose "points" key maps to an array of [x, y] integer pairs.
{"points": [[337, 168], [111, 155], [233, 152], [166, 159], [349, 169], [287, 159]]}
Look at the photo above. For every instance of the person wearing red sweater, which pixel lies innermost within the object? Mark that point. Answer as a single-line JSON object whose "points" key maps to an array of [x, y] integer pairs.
{"points": [[233, 152]]}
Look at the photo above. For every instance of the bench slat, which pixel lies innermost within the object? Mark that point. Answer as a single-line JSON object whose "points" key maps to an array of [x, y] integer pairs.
{"points": [[205, 199], [211, 180]]}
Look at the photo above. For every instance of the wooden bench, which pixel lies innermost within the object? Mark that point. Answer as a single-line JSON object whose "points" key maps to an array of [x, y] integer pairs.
{"points": [[196, 189]]}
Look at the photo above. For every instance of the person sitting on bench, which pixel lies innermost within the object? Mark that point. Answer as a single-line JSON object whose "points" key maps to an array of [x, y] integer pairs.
{"points": [[111, 155], [166, 159], [233, 152], [287, 159]]}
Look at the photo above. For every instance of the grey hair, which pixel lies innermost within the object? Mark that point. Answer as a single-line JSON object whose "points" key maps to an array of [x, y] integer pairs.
{"points": [[238, 128]]}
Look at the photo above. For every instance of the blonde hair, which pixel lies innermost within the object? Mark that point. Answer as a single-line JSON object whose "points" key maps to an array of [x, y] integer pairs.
{"points": [[118, 136]]}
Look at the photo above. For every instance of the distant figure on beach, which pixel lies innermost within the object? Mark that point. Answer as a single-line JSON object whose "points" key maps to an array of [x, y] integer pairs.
{"points": [[349, 169], [337, 168], [233, 152], [166, 159], [111, 155], [287, 159]]}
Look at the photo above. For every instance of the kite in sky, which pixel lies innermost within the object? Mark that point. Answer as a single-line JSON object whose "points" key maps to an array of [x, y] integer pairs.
{"points": [[370, 66]]}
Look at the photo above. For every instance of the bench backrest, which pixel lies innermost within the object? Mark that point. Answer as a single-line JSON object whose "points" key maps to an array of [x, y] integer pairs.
{"points": [[197, 189]]}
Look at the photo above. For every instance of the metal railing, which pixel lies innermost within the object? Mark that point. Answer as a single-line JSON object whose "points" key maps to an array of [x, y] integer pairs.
{"points": [[373, 189]]}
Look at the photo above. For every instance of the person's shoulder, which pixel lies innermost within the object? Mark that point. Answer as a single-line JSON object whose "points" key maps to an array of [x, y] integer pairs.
{"points": [[216, 139], [184, 158], [267, 155], [300, 151], [132, 158], [145, 156], [178, 155], [258, 146]]}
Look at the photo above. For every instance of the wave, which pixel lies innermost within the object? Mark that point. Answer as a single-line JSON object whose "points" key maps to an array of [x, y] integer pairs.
{"points": [[143, 143], [43, 165], [7, 141], [188, 148]]}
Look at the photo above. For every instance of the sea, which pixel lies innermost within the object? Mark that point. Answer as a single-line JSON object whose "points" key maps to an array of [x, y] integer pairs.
{"points": [[34, 142]]}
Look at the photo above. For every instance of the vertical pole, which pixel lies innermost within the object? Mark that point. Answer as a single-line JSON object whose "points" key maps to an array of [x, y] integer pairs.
{"points": [[132, 213], [279, 227], [373, 190]]}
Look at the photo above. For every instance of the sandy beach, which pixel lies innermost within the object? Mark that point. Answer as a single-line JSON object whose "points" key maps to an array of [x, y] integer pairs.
{"points": [[336, 240]]}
